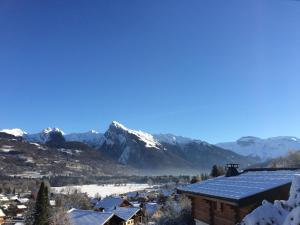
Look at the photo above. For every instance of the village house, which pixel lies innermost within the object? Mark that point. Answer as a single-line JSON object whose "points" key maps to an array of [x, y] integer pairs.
{"points": [[129, 215], [89, 217], [226, 200], [119, 216], [111, 203]]}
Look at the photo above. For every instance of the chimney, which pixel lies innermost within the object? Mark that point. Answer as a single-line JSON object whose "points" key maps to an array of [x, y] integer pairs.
{"points": [[232, 170]]}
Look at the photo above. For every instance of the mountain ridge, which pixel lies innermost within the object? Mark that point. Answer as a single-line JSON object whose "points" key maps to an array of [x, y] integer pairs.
{"points": [[265, 148], [144, 151]]}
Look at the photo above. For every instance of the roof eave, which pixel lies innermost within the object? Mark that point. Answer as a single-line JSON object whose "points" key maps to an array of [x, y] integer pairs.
{"points": [[238, 202]]}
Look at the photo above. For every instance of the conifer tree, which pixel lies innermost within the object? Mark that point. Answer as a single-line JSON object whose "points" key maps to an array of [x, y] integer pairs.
{"points": [[41, 214], [215, 172]]}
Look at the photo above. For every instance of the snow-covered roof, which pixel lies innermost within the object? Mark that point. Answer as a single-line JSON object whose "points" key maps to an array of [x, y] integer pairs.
{"points": [[2, 214], [23, 200], [4, 199], [244, 185], [21, 206], [167, 192], [109, 203], [52, 202], [126, 213], [15, 197], [88, 217]]}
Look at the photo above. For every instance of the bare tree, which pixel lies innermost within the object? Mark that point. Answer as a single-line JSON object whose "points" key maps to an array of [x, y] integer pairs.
{"points": [[60, 217]]}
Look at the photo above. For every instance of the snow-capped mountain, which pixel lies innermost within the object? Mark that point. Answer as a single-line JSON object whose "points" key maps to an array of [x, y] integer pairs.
{"points": [[143, 150], [91, 138], [264, 148], [54, 158], [43, 136], [15, 131], [127, 145], [117, 132]]}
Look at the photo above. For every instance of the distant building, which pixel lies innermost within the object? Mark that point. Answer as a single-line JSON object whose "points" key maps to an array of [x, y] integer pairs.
{"points": [[225, 200]]}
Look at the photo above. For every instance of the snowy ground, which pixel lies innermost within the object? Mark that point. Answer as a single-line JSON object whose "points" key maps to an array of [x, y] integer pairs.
{"points": [[103, 190]]}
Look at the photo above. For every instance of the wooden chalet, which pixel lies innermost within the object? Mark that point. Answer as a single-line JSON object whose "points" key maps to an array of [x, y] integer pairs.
{"points": [[226, 200], [128, 216], [119, 216], [89, 217], [111, 203]]}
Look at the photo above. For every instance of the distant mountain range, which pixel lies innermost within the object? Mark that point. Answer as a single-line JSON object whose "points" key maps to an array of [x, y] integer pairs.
{"points": [[145, 151], [264, 148], [159, 154], [246, 146]]}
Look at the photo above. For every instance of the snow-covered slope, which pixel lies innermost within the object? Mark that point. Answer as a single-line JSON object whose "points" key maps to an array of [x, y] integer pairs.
{"points": [[43, 136], [15, 131], [146, 138], [172, 139], [264, 148], [92, 138]]}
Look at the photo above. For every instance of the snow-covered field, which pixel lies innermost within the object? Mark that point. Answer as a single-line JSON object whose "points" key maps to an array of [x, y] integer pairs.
{"points": [[102, 190]]}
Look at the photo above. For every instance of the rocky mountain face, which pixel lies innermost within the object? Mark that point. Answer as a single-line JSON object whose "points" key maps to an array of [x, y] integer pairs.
{"points": [[43, 136], [139, 149], [145, 151], [264, 148]]}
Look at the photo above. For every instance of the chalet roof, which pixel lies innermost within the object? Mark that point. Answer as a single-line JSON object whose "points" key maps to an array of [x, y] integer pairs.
{"points": [[126, 213], [21, 206], [242, 186], [23, 200], [4, 199], [109, 203], [88, 217]]}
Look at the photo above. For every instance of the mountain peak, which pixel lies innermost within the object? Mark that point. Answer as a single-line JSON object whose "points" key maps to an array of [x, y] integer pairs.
{"points": [[118, 132], [118, 125], [93, 132], [15, 131], [49, 130]]}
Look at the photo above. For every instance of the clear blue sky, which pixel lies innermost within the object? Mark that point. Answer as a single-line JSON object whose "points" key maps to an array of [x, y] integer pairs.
{"points": [[214, 70]]}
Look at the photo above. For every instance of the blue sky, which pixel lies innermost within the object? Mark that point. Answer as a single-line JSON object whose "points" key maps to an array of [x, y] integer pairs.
{"points": [[214, 70]]}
